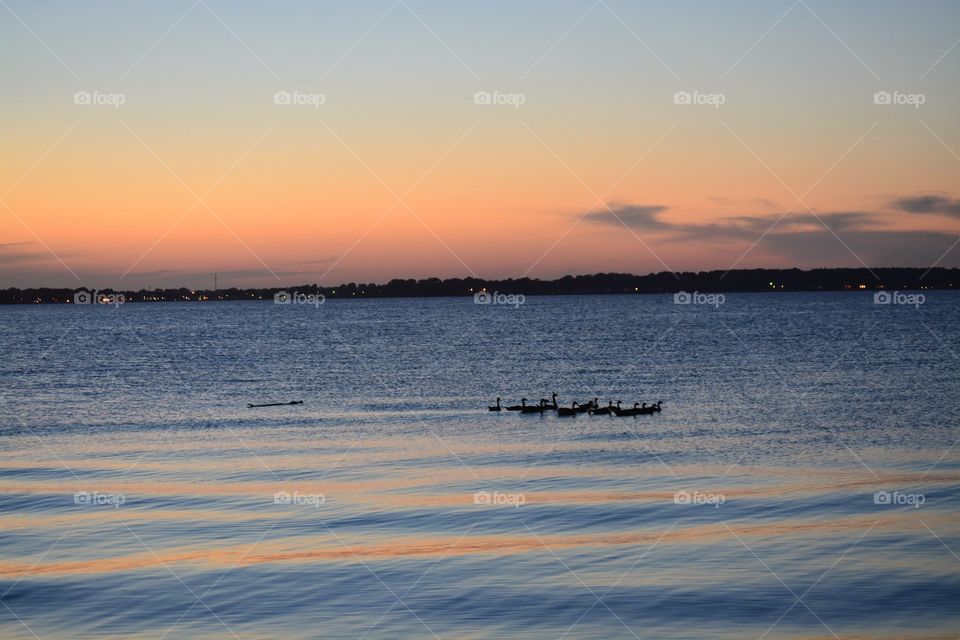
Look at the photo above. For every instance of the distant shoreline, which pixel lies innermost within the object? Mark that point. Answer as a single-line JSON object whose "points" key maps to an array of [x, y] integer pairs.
{"points": [[735, 281]]}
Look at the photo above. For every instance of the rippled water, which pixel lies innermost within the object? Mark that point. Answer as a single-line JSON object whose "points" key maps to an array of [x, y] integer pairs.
{"points": [[140, 497]]}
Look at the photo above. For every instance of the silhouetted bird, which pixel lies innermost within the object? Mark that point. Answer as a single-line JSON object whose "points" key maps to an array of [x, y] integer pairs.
{"points": [[605, 411], [538, 408], [590, 404], [573, 409], [518, 407], [550, 404]]}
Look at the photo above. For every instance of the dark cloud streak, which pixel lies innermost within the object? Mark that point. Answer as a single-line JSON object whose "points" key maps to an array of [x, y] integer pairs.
{"points": [[930, 203], [642, 217], [803, 238], [647, 218]]}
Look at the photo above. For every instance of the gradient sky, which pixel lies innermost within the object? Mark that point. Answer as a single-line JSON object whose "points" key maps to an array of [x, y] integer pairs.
{"points": [[400, 174]]}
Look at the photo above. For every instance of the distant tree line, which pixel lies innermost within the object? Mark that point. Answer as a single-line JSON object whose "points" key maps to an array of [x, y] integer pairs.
{"points": [[742, 280]]}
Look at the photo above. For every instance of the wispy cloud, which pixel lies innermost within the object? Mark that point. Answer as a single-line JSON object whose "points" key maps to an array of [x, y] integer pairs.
{"points": [[320, 260], [170, 274], [725, 201], [14, 253]]}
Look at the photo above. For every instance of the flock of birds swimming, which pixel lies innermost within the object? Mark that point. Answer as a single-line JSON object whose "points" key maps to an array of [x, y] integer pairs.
{"points": [[590, 406]]}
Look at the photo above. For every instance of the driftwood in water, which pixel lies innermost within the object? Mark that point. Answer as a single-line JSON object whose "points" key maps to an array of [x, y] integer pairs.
{"points": [[275, 404]]}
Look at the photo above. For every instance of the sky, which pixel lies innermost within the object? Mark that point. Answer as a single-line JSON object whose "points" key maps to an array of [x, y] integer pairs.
{"points": [[153, 144]]}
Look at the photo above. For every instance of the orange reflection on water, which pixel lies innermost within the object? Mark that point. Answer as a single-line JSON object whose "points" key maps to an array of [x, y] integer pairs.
{"points": [[329, 546]]}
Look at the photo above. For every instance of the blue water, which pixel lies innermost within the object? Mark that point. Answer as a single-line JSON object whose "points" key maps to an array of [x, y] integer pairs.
{"points": [[783, 415]]}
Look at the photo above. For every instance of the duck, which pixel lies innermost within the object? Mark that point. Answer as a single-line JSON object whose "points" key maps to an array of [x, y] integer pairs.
{"points": [[497, 407], [605, 411], [574, 409], [518, 407], [534, 408]]}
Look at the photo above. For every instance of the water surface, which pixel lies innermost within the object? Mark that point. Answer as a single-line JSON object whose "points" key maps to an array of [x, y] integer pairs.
{"points": [[140, 497]]}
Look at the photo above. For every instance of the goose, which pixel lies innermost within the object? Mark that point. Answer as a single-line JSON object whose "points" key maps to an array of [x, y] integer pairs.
{"points": [[496, 408], [605, 411], [638, 410], [651, 409], [550, 404], [572, 410], [620, 412], [518, 407], [590, 404], [534, 408]]}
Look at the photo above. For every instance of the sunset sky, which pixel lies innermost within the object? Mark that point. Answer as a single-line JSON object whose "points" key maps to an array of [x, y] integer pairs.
{"points": [[592, 161]]}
